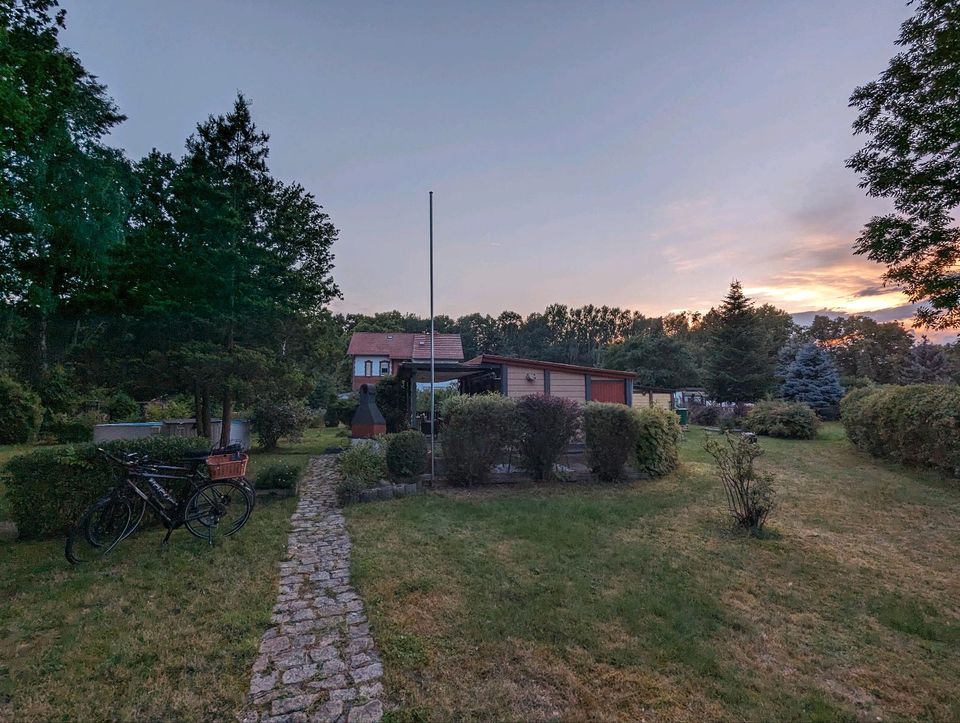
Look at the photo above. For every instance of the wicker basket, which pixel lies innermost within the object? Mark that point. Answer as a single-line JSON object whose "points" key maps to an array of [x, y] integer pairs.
{"points": [[227, 466]]}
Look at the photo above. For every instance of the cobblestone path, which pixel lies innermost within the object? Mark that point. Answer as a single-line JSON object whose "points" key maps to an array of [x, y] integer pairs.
{"points": [[318, 662]]}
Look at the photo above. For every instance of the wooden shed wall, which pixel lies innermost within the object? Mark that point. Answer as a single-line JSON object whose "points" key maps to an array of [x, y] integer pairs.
{"points": [[517, 384], [568, 386]]}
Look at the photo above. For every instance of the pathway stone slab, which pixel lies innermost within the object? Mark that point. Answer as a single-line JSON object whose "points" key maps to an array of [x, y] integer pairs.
{"points": [[318, 661]]}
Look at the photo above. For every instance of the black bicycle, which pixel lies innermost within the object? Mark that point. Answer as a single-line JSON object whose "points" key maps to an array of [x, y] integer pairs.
{"points": [[215, 500]]}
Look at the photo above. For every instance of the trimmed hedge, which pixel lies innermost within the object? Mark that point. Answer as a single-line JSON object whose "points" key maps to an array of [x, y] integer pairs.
{"points": [[916, 425], [657, 450], [787, 420], [49, 488], [479, 429], [545, 426], [611, 436], [407, 454], [20, 412]]}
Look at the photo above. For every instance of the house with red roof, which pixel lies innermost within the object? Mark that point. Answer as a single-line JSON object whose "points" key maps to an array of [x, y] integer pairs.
{"points": [[374, 354]]}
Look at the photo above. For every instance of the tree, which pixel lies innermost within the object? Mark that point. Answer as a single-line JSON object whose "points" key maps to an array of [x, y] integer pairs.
{"points": [[62, 191], [658, 360], [392, 401], [910, 114], [739, 367], [812, 379], [927, 364], [863, 348]]}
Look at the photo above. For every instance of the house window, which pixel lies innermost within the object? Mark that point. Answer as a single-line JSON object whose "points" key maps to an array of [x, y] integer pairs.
{"points": [[384, 368], [368, 368]]}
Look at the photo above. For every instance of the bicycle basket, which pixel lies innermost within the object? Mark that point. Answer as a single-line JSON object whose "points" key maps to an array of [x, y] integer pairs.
{"points": [[227, 466]]}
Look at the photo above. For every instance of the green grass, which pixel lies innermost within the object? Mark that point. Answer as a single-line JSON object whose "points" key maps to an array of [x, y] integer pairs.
{"points": [[639, 600], [149, 633], [315, 441]]}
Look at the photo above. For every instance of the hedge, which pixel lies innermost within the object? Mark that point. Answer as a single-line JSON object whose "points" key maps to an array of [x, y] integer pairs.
{"points": [[278, 476], [545, 426], [49, 488], [611, 432], [916, 425], [20, 412], [657, 450], [787, 420], [480, 427]]}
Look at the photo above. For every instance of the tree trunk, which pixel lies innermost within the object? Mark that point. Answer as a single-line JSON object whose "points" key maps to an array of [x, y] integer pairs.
{"points": [[226, 419], [204, 419], [44, 366]]}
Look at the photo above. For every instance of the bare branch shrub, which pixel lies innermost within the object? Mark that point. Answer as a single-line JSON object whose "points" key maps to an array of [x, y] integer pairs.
{"points": [[750, 494]]}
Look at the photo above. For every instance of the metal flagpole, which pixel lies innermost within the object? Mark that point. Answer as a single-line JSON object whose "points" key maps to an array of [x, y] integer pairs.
{"points": [[433, 414]]}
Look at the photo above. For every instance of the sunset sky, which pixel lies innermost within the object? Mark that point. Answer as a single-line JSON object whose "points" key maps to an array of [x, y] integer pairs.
{"points": [[638, 154]]}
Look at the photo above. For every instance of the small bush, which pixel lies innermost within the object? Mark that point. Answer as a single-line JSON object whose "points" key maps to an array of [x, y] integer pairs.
{"points": [[750, 495], [545, 426], [363, 462], [274, 420], [341, 411], [705, 415], [917, 425], [279, 476], [180, 407], [69, 429], [787, 420], [20, 412], [658, 442], [611, 436], [49, 488], [121, 407], [406, 454], [480, 427]]}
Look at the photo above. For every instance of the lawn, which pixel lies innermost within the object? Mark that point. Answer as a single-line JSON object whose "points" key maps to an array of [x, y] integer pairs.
{"points": [[637, 600], [149, 633]]}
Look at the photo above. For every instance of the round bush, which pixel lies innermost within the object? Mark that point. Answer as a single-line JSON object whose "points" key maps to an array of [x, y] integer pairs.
{"points": [[611, 436], [787, 420], [121, 407], [407, 454], [20, 412], [479, 429], [658, 442]]}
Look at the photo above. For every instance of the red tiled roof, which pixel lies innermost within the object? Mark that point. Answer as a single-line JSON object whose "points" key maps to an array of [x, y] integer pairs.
{"points": [[405, 346]]}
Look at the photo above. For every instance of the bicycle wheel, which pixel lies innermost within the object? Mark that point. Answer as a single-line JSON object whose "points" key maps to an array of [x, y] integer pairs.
{"points": [[217, 508], [100, 529]]}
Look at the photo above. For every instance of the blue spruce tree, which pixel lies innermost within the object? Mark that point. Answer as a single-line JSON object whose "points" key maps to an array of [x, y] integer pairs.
{"points": [[812, 379]]}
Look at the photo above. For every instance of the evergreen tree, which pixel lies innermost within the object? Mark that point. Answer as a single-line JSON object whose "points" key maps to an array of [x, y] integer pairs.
{"points": [[657, 359], [739, 367], [812, 379], [927, 364]]}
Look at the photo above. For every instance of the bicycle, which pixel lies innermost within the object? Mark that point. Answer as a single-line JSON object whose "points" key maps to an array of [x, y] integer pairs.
{"points": [[218, 500]]}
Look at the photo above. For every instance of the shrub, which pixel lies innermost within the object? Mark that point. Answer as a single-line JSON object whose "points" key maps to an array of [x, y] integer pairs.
{"points": [[363, 462], [180, 407], [273, 420], [812, 378], [121, 407], [49, 488], [611, 436], [281, 476], [20, 412], [705, 415], [392, 402], [915, 425], [658, 442], [545, 426], [750, 495], [72, 429], [479, 429], [406, 454], [341, 411], [787, 420]]}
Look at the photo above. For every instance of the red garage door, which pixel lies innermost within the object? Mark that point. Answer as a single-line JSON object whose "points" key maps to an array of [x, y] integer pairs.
{"points": [[606, 390]]}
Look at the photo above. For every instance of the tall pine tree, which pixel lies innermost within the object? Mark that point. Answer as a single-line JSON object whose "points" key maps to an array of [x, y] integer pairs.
{"points": [[812, 378], [739, 367], [927, 364]]}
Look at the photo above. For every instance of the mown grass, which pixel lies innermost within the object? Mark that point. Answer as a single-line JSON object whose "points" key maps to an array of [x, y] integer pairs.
{"points": [[149, 633], [639, 601]]}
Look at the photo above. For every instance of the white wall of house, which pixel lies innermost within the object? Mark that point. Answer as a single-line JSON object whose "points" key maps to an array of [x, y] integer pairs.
{"points": [[359, 364]]}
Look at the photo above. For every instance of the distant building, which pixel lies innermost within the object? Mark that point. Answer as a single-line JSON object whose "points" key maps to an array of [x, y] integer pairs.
{"points": [[374, 355]]}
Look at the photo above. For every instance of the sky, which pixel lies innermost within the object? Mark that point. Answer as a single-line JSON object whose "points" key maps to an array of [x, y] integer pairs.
{"points": [[639, 154]]}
